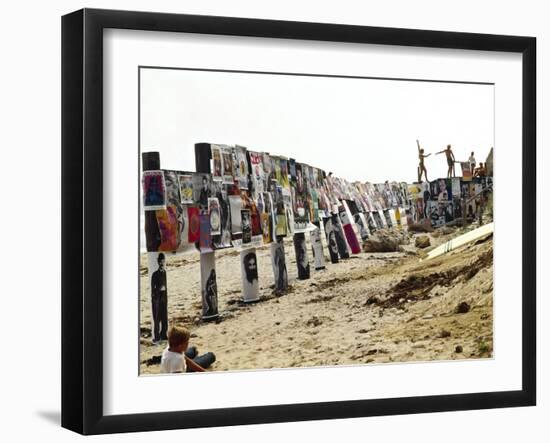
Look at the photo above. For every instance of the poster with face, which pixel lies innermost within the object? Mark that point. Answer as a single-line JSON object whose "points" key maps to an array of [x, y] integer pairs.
{"points": [[258, 173], [246, 226], [223, 239], [227, 164], [241, 167], [317, 248], [174, 207], [249, 273], [331, 239], [441, 190], [440, 213], [302, 259], [215, 216], [202, 191], [236, 205], [217, 162], [209, 287], [154, 190], [340, 238], [278, 264], [186, 188]]}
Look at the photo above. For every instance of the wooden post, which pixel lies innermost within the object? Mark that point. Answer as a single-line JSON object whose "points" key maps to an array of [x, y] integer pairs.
{"points": [[249, 275], [278, 263], [302, 259], [159, 301], [317, 247], [209, 285]]}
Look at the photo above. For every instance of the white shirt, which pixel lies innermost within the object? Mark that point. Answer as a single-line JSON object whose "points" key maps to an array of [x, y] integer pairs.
{"points": [[172, 362], [472, 160]]}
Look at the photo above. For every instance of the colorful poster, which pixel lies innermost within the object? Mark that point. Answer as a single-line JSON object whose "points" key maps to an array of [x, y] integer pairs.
{"points": [[227, 164], [215, 216], [205, 237], [194, 224], [281, 227], [168, 226], [257, 173], [266, 232], [217, 163], [466, 171], [173, 205], [241, 167], [185, 182], [154, 190]]}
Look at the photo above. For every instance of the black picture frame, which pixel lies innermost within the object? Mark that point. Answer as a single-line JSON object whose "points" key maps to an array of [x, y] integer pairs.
{"points": [[82, 218]]}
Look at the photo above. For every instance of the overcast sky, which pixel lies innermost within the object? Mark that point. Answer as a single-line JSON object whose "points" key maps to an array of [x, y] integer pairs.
{"points": [[360, 129]]}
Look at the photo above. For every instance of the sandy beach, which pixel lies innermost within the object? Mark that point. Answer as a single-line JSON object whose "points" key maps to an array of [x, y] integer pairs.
{"points": [[371, 308]]}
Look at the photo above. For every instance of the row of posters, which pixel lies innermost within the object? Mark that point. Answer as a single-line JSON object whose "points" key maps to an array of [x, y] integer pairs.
{"points": [[251, 198]]}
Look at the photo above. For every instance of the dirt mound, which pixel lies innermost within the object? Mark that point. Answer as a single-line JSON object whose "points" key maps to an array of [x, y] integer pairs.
{"points": [[418, 287]]}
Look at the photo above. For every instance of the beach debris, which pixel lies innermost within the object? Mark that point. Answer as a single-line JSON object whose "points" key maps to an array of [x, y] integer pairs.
{"points": [[145, 332], [444, 333], [154, 360], [484, 316], [383, 243], [462, 240], [422, 241], [458, 349], [462, 308], [420, 227], [314, 321]]}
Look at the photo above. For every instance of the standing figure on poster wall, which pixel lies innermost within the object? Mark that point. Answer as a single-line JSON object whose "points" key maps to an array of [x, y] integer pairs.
{"points": [[472, 161], [421, 165], [450, 160], [159, 298]]}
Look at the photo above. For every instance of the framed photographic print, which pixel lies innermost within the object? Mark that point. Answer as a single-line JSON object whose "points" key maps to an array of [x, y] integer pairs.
{"points": [[268, 221]]}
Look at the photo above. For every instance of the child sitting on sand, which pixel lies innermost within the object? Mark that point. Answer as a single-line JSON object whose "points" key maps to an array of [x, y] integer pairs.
{"points": [[177, 357]]}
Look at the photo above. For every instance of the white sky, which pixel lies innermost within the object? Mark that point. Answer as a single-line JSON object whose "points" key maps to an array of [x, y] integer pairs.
{"points": [[360, 129]]}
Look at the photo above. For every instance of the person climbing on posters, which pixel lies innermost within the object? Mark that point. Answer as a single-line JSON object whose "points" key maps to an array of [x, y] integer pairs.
{"points": [[159, 299], [450, 160], [421, 165], [480, 171], [472, 161]]}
